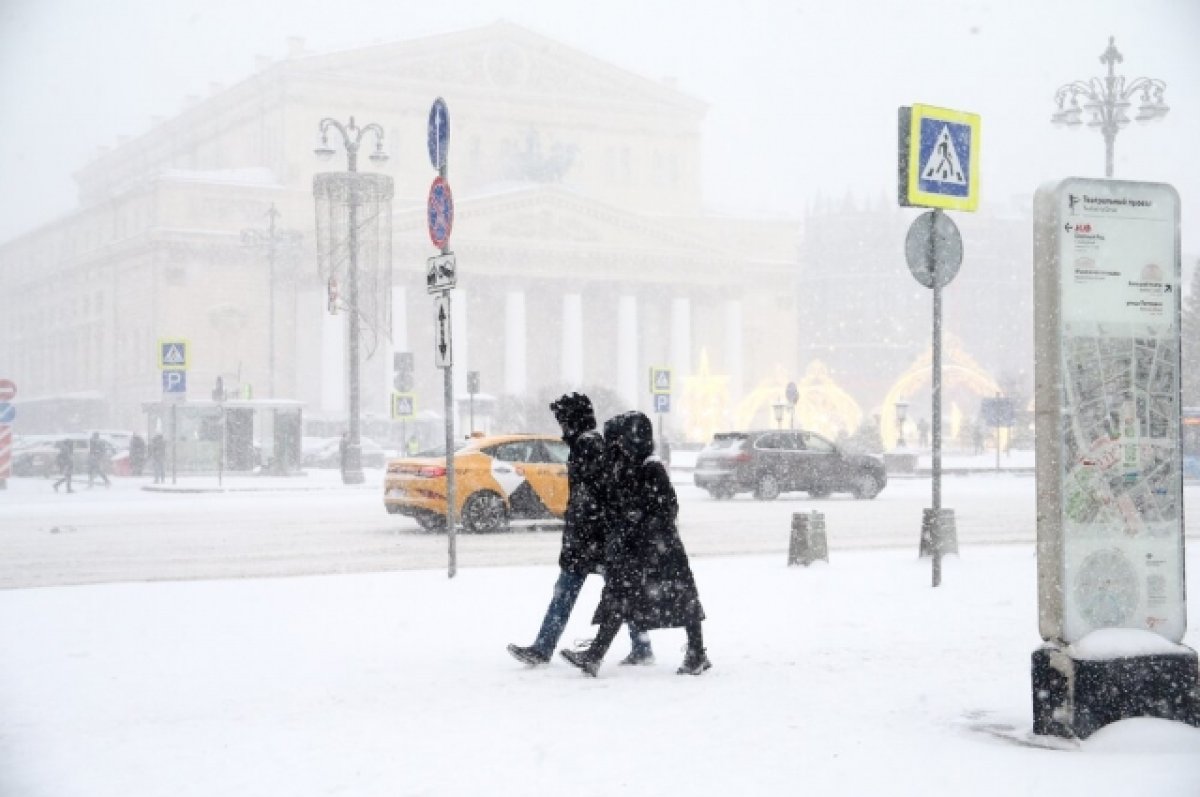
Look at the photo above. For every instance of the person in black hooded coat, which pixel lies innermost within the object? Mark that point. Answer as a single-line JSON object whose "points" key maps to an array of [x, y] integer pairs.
{"points": [[583, 536], [648, 579]]}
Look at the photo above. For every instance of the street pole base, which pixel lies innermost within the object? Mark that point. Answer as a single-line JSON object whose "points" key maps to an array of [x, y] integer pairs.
{"points": [[353, 477], [938, 530], [1073, 698]]}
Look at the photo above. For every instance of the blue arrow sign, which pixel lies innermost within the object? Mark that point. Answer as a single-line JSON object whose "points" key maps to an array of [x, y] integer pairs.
{"points": [[8, 412], [438, 133]]}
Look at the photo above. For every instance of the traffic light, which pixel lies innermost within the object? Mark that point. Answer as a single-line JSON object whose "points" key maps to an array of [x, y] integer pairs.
{"points": [[472, 382], [402, 371]]}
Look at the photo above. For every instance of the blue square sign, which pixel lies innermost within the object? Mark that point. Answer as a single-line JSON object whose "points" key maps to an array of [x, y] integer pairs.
{"points": [[662, 402], [174, 381]]}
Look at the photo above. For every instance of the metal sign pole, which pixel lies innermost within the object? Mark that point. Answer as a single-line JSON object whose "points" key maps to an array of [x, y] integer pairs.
{"points": [[174, 439], [448, 387], [936, 454]]}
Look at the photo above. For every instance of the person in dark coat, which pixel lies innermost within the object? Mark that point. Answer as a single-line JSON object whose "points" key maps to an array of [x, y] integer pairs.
{"points": [[97, 454], [66, 465], [648, 580], [158, 458], [583, 531], [137, 454]]}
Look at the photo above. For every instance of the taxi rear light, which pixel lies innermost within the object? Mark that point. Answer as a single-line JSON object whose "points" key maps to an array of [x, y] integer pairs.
{"points": [[744, 456], [432, 471]]}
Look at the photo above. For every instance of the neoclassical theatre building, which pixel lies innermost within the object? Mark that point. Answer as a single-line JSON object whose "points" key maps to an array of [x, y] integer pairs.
{"points": [[585, 255]]}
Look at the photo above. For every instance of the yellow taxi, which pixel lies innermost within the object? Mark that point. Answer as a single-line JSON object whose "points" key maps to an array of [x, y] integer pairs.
{"points": [[497, 478]]}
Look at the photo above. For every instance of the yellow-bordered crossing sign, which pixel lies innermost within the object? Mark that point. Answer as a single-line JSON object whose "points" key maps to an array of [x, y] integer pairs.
{"points": [[938, 158]]}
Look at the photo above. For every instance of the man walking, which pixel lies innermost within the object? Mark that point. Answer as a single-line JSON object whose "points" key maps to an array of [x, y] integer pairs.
{"points": [[97, 449], [158, 458], [65, 463], [583, 532]]}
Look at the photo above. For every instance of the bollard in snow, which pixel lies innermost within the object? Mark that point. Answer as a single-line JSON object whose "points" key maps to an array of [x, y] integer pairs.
{"points": [[808, 539], [939, 526]]}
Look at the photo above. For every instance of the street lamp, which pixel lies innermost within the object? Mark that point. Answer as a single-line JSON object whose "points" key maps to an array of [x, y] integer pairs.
{"points": [[779, 407], [1107, 100], [901, 415], [352, 138], [270, 239]]}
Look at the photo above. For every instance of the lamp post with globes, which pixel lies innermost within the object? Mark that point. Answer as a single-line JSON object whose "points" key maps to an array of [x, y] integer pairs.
{"points": [[352, 137], [901, 415], [779, 407], [1107, 100]]}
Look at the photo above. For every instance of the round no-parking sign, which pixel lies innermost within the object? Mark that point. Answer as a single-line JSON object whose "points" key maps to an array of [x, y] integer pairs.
{"points": [[441, 212]]}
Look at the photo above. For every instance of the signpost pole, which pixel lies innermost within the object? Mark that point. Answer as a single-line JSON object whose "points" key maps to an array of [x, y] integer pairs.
{"points": [[936, 454], [174, 439], [451, 492]]}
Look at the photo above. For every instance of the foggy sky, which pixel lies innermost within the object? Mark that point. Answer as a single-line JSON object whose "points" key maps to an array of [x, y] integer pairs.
{"points": [[802, 96]]}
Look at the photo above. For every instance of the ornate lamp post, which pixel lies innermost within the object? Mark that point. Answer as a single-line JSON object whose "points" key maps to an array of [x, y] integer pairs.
{"points": [[1107, 100], [901, 415], [779, 408], [271, 239], [353, 187]]}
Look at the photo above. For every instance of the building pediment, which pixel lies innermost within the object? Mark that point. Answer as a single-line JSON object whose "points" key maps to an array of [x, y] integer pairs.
{"points": [[547, 216], [505, 59]]}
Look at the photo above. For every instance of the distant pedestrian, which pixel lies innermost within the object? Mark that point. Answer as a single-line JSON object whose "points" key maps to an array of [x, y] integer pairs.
{"points": [[583, 533], [343, 450], [137, 454], [648, 580], [977, 436], [158, 458], [66, 464], [97, 459]]}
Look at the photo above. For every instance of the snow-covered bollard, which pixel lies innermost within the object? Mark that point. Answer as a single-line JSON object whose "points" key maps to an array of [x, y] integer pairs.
{"points": [[939, 525], [808, 539]]}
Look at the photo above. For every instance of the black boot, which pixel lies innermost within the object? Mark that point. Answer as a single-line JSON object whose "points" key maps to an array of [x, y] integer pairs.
{"points": [[583, 659], [695, 662], [531, 656]]}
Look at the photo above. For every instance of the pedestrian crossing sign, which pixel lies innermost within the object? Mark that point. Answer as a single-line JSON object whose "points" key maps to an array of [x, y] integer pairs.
{"points": [[660, 380], [404, 405], [172, 355], [939, 158]]}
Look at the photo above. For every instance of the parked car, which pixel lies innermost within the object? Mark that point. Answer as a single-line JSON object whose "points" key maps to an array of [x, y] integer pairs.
{"points": [[329, 455], [767, 463], [497, 478], [39, 458]]}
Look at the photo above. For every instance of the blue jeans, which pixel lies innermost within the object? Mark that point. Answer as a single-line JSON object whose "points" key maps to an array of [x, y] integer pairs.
{"points": [[566, 592]]}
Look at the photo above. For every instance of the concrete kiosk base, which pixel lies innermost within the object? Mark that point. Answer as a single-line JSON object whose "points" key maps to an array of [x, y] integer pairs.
{"points": [[1074, 698]]}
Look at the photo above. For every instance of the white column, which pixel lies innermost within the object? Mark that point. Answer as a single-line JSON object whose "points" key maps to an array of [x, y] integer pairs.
{"points": [[399, 340], [734, 352], [627, 350], [681, 346], [458, 340], [572, 341], [333, 362], [515, 377]]}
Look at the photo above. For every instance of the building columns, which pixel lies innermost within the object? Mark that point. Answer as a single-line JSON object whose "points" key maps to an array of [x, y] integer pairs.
{"points": [[571, 369], [515, 351], [627, 350]]}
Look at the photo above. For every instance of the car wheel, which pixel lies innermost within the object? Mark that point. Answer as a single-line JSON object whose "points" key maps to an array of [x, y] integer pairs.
{"points": [[431, 522], [484, 513], [767, 488], [866, 486]]}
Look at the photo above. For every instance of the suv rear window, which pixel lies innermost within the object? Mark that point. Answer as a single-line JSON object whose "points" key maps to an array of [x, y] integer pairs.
{"points": [[726, 441]]}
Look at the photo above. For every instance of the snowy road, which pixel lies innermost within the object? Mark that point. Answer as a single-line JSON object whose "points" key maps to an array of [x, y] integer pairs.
{"points": [[126, 534]]}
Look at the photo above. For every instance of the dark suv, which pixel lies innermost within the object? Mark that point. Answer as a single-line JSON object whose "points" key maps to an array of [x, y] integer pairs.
{"points": [[768, 463]]}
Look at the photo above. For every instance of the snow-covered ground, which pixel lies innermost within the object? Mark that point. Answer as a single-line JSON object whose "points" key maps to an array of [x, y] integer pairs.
{"points": [[144, 654]]}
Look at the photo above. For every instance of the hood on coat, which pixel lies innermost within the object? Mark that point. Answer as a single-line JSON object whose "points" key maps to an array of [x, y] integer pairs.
{"points": [[631, 434], [574, 414]]}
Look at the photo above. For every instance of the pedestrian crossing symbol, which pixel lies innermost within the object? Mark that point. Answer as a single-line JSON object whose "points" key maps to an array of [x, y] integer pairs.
{"points": [[172, 354], [939, 158], [403, 405], [660, 380]]}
